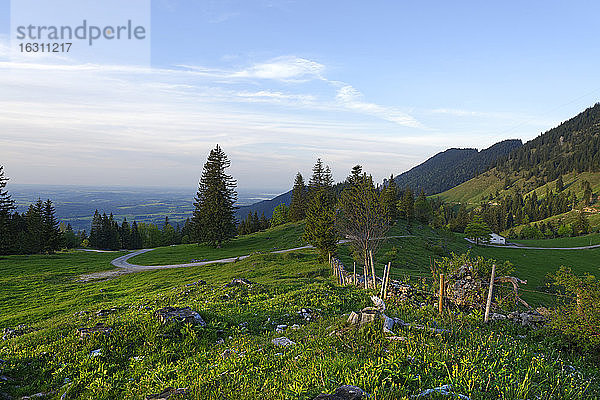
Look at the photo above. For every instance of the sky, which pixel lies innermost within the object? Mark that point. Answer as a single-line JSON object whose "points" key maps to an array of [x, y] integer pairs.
{"points": [[384, 84]]}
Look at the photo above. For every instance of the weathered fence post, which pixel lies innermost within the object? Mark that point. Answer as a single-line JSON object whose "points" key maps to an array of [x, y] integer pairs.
{"points": [[354, 273], [387, 280], [489, 299], [441, 300], [382, 281], [366, 271], [373, 270]]}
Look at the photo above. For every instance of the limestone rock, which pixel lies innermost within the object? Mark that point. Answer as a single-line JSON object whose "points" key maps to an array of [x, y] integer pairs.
{"points": [[283, 341], [345, 392], [239, 282], [184, 314], [98, 328]]}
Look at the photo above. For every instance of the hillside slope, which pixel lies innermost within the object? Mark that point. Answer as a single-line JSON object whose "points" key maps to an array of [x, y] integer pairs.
{"points": [[453, 167], [570, 151], [265, 206]]}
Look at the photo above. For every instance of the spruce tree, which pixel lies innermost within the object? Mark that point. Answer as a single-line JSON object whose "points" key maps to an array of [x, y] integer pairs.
{"points": [[319, 230], [214, 214], [136, 238], [389, 197], [51, 235], [125, 234], [7, 206], [35, 227], [297, 210], [96, 230]]}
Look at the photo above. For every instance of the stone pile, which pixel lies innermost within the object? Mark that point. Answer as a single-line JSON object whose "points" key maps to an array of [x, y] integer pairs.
{"points": [[532, 318], [184, 314], [19, 330], [467, 289]]}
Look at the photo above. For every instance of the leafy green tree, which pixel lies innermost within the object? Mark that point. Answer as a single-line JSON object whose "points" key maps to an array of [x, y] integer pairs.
{"points": [[213, 220], [363, 217], [299, 199], [280, 215], [478, 230]]}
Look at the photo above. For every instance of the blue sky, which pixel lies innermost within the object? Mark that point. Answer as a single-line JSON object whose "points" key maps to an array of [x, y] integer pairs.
{"points": [[386, 84]]}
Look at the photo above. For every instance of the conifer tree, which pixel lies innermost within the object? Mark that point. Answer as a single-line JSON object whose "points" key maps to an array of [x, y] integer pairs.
{"points": [[406, 206], [389, 197], [214, 215], [125, 234], [319, 230], [96, 230], [297, 210], [168, 233], [51, 236], [35, 227], [7, 206], [136, 238], [280, 215]]}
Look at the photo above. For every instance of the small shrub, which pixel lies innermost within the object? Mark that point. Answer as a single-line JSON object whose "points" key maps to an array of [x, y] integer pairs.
{"points": [[577, 318]]}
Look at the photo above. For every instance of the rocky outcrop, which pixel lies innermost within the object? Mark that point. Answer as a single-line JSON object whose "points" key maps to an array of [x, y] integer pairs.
{"points": [[98, 328], [185, 314], [239, 282]]}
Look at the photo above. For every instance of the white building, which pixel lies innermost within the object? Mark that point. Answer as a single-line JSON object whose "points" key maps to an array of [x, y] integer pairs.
{"points": [[497, 239]]}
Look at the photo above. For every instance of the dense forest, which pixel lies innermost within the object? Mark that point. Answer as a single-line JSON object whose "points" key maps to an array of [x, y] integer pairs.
{"points": [[453, 167], [573, 146]]}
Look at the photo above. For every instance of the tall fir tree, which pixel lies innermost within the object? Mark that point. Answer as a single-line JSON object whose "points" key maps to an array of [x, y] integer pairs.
{"points": [[136, 238], [125, 234], [297, 210], [389, 197], [319, 230], [35, 227], [214, 214], [51, 235], [7, 207]]}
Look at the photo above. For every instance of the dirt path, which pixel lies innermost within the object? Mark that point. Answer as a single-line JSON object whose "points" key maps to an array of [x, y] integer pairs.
{"points": [[512, 246], [126, 268]]}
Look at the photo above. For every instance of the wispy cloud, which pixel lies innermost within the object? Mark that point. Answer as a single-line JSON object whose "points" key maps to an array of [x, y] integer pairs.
{"points": [[352, 99]]}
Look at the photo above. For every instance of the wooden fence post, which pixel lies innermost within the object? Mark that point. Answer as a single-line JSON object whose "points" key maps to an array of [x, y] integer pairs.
{"points": [[366, 271], [489, 299], [354, 273], [373, 270], [387, 279], [441, 300], [382, 281]]}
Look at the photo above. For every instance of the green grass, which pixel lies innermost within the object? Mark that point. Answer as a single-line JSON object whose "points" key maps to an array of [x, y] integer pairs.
{"points": [[141, 356], [579, 241], [278, 238]]}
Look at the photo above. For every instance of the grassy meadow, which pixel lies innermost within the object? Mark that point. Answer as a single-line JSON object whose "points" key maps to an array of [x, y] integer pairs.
{"points": [[233, 356]]}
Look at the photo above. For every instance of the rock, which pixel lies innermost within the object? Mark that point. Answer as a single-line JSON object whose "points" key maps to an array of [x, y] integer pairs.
{"points": [[445, 390], [200, 282], [239, 282], [368, 315], [105, 313], [353, 318], [228, 353], [345, 392], [283, 341], [379, 304], [497, 317], [388, 324], [169, 393], [281, 328], [397, 338], [98, 328], [19, 330], [185, 314], [220, 341], [96, 353], [308, 314], [295, 327], [34, 396]]}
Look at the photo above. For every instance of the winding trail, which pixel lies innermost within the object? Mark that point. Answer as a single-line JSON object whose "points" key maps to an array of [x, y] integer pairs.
{"points": [[125, 267], [513, 246]]}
